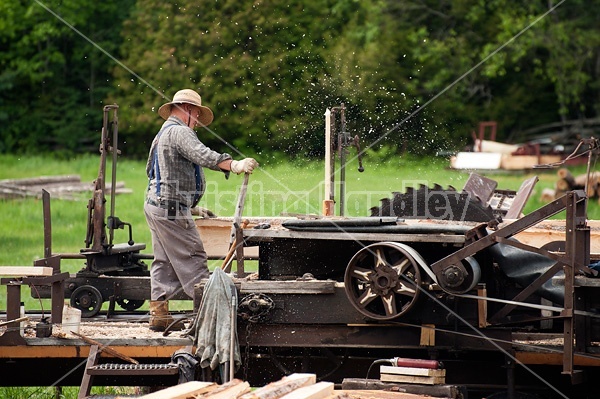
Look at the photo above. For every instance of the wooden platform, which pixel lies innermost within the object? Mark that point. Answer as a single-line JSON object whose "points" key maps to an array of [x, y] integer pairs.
{"points": [[215, 234]]}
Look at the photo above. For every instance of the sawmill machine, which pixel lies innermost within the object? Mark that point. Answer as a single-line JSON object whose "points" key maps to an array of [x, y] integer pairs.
{"points": [[433, 272]]}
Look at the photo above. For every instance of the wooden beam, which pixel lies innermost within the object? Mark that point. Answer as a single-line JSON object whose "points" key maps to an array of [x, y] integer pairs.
{"points": [[105, 348], [284, 386], [319, 390], [25, 271], [288, 287], [427, 335], [482, 307], [229, 390], [182, 391], [412, 379]]}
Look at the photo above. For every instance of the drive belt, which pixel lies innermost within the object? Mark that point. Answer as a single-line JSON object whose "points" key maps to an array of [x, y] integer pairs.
{"points": [[530, 305]]}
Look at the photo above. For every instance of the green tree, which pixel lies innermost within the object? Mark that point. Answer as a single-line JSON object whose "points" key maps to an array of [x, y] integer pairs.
{"points": [[53, 80]]}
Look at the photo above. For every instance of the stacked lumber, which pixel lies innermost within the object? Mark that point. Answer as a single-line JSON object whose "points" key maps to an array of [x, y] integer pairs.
{"points": [[62, 186], [294, 386], [412, 375]]}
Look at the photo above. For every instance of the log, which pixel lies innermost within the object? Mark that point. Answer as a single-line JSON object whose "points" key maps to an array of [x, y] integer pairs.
{"points": [[548, 195], [58, 186], [592, 183], [563, 185], [565, 174], [41, 180], [277, 389], [580, 179]]}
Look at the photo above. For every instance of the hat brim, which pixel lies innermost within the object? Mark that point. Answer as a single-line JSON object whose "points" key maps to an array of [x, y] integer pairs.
{"points": [[206, 114]]}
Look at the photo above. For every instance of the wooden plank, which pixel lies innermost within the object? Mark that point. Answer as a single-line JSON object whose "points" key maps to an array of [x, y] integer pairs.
{"points": [[277, 389], [319, 390], [375, 394], [288, 287], [482, 308], [229, 390], [412, 379], [105, 348], [476, 160], [25, 271], [427, 335], [516, 162], [269, 235], [182, 391], [215, 236], [416, 371], [59, 348], [437, 391]]}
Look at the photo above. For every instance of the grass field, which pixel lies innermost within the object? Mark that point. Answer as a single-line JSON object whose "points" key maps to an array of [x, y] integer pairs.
{"points": [[274, 189]]}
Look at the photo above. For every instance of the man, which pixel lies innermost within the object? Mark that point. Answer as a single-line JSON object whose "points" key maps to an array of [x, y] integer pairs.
{"points": [[176, 184]]}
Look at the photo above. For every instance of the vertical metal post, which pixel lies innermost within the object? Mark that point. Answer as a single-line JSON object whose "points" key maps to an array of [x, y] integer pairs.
{"points": [[343, 142], [510, 378], [577, 251], [114, 147]]}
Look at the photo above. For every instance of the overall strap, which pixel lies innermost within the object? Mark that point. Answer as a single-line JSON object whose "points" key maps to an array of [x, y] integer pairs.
{"points": [[198, 185], [155, 171]]}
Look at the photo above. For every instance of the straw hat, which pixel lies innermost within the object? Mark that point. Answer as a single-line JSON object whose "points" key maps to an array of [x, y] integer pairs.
{"points": [[187, 96]]}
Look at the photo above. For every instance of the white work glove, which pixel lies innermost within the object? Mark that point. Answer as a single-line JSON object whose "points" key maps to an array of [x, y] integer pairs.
{"points": [[246, 165]]}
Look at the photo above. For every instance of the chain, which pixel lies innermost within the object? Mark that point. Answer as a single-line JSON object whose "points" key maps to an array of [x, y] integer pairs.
{"points": [[247, 352]]}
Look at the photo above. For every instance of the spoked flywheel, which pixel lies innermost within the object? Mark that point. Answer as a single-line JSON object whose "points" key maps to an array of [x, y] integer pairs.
{"points": [[382, 280]]}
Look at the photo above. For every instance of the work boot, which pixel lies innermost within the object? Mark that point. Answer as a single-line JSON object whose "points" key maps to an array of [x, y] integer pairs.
{"points": [[160, 318]]}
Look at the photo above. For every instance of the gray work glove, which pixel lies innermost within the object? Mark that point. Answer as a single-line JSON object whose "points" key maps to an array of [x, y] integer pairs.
{"points": [[246, 165], [202, 212]]}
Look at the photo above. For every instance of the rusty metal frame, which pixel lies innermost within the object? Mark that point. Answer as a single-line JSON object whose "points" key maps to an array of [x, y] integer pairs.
{"points": [[576, 258]]}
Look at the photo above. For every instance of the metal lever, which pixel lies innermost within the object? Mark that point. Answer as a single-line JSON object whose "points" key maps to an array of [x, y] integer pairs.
{"points": [[355, 142], [114, 222]]}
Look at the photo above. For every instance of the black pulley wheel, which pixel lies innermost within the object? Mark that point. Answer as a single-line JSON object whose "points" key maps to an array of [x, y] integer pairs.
{"points": [[130, 304], [87, 299], [382, 280]]}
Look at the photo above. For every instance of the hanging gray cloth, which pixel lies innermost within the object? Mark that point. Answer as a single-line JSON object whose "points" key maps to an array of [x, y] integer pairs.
{"points": [[212, 328]]}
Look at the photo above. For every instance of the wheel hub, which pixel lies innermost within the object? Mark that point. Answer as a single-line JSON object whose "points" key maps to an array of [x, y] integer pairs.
{"points": [[454, 276], [383, 280]]}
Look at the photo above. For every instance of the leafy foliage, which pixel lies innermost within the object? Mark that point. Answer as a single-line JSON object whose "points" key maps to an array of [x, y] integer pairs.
{"points": [[414, 75]]}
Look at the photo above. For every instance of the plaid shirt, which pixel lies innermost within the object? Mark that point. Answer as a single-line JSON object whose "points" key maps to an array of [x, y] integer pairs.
{"points": [[179, 149]]}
